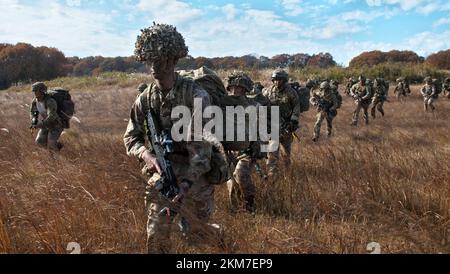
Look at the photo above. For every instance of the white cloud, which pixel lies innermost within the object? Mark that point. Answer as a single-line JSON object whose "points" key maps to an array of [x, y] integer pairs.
{"points": [[292, 7], [169, 11], [73, 30], [230, 11], [442, 21], [404, 4], [426, 43], [73, 3]]}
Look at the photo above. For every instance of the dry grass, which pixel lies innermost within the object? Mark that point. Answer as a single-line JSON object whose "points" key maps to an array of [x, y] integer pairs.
{"points": [[388, 183]]}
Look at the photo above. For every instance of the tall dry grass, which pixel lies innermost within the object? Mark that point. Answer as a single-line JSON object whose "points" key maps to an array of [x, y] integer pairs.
{"points": [[387, 183]]}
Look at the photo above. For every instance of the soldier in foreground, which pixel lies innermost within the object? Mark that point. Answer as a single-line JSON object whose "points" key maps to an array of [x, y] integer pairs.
{"points": [[380, 92], [429, 94], [327, 103], [45, 117], [282, 95], [362, 95], [161, 46]]}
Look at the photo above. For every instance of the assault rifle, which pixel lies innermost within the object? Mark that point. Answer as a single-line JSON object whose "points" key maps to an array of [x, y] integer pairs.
{"points": [[162, 145]]}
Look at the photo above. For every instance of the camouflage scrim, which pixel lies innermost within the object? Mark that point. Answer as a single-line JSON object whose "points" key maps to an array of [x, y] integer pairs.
{"points": [[160, 40], [240, 79]]}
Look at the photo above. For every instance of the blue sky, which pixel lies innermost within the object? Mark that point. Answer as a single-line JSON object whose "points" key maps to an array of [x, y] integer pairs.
{"points": [[345, 28]]}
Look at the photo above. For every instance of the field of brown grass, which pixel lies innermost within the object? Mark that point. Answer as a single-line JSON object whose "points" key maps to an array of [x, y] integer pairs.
{"points": [[387, 183]]}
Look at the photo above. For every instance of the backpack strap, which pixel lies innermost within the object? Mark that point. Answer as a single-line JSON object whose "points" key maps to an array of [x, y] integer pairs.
{"points": [[146, 99]]}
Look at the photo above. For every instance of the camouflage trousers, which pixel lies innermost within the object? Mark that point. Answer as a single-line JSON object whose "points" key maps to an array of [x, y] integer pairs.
{"points": [[323, 115], [285, 144], [361, 106], [401, 93], [49, 137], [377, 104], [241, 187], [193, 215], [428, 103]]}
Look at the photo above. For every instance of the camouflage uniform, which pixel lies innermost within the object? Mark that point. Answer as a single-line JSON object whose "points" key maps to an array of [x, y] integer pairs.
{"points": [[327, 103], [362, 95], [379, 97], [402, 88], [52, 125], [446, 87], [287, 100], [240, 186], [191, 160], [428, 92], [142, 87], [351, 82]]}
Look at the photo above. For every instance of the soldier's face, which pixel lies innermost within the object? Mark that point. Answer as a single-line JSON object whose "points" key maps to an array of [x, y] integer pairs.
{"points": [[237, 91], [279, 82], [162, 67], [39, 95]]}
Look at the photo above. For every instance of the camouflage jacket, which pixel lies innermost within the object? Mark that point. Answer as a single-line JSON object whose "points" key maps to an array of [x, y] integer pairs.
{"points": [[288, 101], [52, 118], [401, 87], [379, 92], [197, 155], [360, 92], [428, 90], [324, 101]]}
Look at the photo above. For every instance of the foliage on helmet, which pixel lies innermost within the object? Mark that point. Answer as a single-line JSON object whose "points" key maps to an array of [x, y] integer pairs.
{"points": [[160, 40], [239, 79]]}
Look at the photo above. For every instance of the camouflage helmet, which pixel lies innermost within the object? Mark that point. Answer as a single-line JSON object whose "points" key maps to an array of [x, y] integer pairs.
{"points": [[447, 80], [142, 87], [325, 85], [239, 79], [160, 40], [400, 79], [39, 86], [280, 74], [362, 78], [428, 79]]}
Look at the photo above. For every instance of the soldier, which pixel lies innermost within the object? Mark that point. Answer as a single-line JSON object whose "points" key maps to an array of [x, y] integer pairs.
{"points": [[402, 88], [257, 94], [282, 95], [379, 97], [362, 94], [241, 186], [446, 87], [350, 83], [142, 87], [44, 116], [161, 46], [428, 92], [327, 103]]}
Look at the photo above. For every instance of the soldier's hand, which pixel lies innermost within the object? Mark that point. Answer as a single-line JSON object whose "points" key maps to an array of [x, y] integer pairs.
{"points": [[151, 162], [184, 190]]}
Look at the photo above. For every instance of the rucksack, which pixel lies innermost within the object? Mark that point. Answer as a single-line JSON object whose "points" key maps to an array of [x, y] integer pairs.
{"points": [[438, 86], [212, 84], [66, 107], [303, 95]]}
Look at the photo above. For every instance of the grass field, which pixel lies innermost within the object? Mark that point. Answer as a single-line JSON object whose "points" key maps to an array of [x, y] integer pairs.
{"points": [[387, 183]]}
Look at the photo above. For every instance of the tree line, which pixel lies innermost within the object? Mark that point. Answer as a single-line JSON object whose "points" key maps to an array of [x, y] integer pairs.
{"points": [[24, 63]]}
